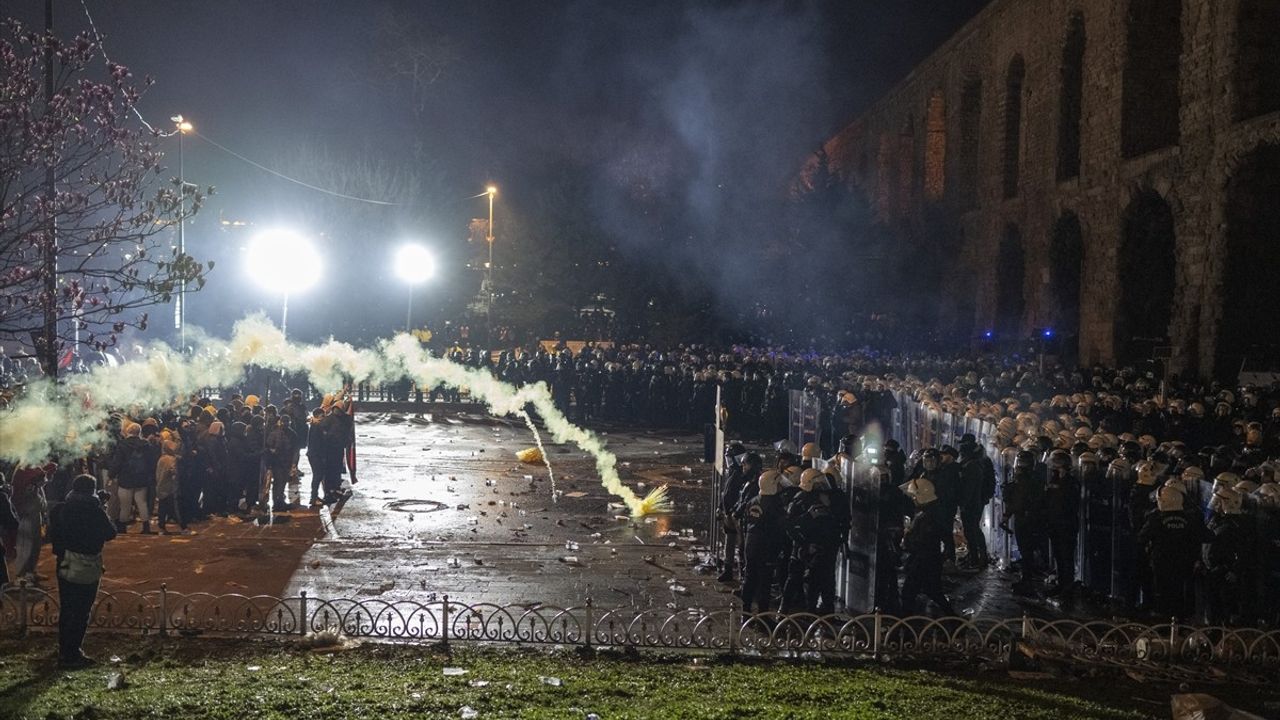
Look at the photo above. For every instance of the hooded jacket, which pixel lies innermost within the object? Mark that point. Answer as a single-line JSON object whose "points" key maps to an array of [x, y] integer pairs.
{"points": [[79, 525], [133, 462]]}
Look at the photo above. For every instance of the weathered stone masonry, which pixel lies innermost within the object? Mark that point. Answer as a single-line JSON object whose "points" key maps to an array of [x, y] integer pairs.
{"points": [[1109, 165]]}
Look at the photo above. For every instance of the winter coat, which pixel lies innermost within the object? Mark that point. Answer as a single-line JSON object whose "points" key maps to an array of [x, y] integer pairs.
{"points": [[80, 525], [133, 462], [167, 469]]}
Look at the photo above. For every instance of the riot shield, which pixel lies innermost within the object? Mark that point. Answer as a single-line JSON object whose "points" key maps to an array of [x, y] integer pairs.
{"points": [[1125, 555], [1097, 526], [860, 552]]}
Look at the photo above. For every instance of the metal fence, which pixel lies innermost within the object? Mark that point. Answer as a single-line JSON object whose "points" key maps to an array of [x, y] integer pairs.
{"points": [[1244, 652]]}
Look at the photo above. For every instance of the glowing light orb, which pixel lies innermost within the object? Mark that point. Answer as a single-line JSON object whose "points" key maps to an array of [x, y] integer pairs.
{"points": [[283, 261], [414, 264]]}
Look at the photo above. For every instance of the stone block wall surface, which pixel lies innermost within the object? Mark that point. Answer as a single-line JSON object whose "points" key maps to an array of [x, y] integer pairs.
{"points": [[1191, 175]]}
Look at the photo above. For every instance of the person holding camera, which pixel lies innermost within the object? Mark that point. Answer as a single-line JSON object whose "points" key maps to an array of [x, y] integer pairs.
{"points": [[78, 528]]}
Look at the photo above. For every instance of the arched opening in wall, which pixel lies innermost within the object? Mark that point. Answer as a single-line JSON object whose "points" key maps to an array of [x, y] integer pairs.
{"points": [[1011, 265], [1012, 157], [1071, 100], [966, 180], [906, 168], [935, 149], [1149, 108], [1250, 293], [1066, 264], [1146, 273], [1257, 71]]}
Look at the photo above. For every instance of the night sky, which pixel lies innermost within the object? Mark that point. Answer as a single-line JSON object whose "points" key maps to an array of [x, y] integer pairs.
{"points": [[710, 105]]}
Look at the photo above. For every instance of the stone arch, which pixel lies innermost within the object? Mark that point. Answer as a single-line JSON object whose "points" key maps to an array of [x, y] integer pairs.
{"points": [[1150, 104], [1015, 79], [1066, 267], [1011, 268], [1256, 75], [1071, 99], [935, 147], [1250, 294], [1147, 275], [969, 132]]}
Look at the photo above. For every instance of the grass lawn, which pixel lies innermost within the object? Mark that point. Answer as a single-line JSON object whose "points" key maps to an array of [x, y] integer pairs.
{"points": [[241, 680]]}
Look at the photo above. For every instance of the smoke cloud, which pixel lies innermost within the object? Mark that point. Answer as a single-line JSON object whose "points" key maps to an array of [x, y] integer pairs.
{"points": [[70, 419]]}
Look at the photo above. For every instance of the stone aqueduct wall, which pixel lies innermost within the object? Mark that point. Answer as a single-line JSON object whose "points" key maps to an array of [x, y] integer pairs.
{"points": [[960, 138]]}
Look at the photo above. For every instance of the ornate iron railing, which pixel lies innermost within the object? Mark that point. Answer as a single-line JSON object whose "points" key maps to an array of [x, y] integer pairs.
{"points": [[163, 612]]}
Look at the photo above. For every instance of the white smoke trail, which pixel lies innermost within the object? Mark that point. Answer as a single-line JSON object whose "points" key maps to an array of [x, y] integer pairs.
{"points": [[537, 440], [68, 419]]}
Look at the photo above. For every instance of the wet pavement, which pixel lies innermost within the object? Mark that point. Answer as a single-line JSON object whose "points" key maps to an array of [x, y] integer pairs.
{"points": [[443, 506]]}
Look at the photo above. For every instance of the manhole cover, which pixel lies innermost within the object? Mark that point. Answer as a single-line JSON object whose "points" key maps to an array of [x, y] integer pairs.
{"points": [[415, 506]]}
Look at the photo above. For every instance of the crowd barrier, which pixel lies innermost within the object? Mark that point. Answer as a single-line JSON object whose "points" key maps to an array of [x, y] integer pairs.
{"points": [[1249, 654]]}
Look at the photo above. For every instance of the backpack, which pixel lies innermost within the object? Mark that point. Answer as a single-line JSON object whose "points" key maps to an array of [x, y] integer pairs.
{"points": [[134, 466]]}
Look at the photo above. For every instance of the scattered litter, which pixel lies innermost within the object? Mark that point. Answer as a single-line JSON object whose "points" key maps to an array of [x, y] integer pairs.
{"points": [[575, 494], [1197, 706], [469, 713], [479, 683], [116, 681], [454, 562], [529, 455], [571, 545], [254, 668], [571, 560], [115, 659], [552, 681], [454, 671]]}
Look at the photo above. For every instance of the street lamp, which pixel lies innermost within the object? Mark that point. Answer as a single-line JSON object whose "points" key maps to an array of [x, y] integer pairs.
{"points": [[284, 262], [491, 191], [181, 127], [415, 266]]}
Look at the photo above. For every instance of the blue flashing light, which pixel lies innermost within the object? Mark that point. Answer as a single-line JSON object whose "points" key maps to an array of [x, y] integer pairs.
{"points": [[1048, 333], [988, 334]]}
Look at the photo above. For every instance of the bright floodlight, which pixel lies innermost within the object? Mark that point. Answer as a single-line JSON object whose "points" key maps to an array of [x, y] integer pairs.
{"points": [[414, 264], [283, 261]]}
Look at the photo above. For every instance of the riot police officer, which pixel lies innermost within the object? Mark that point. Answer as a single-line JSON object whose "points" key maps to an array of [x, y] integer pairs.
{"points": [[923, 547], [761, 525]]}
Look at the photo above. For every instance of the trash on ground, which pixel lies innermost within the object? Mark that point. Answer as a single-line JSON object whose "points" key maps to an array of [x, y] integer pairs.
{"points": [[529, 455], [469, 713], [479, 683], [1199, 706], [571, 560], [454, 671], [116, 681], [552, 681]]}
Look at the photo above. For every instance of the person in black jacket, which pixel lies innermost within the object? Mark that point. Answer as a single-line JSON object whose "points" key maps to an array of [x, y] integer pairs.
{"points": [[134, 465], [923, 547], [735, 478], [762, 517], [78, 528], [973, 498], [8, 522], [1062, 518], [1172, 538]]}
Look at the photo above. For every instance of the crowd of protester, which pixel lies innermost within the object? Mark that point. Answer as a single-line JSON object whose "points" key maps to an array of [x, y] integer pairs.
{"points": [[168, 471]]}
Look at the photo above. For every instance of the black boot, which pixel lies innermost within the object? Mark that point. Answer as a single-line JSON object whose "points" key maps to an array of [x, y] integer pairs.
{"points": [[146, 529]]}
